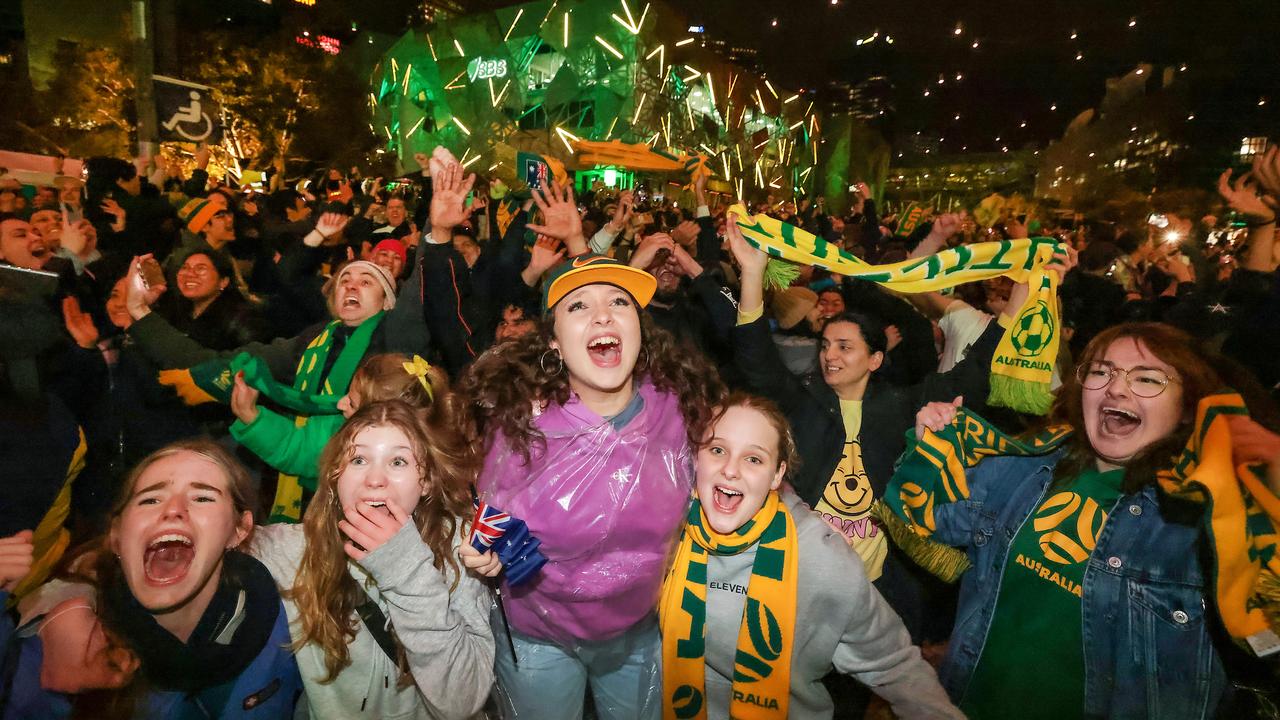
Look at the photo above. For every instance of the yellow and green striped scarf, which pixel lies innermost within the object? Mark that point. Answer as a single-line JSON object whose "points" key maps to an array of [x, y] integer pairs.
{"points": [[288, 503], [1242, 519], [1022, 367], [1242, 516], [762, 664]]}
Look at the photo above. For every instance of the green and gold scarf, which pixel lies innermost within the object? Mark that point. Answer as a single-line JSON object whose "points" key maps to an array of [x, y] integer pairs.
{"points": [[307, 380], [1241, 514], [762, 664], [1022, 367]]}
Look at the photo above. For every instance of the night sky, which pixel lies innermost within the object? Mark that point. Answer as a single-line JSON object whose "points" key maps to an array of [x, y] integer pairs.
{"points": [[1025, 62]]}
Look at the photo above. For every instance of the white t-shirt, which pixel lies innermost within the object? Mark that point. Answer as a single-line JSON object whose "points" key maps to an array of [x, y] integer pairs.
{"points": [[962, 325]]}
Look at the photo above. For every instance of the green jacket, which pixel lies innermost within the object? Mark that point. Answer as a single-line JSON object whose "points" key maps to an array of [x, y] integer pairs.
{"points": [[290, 449]]}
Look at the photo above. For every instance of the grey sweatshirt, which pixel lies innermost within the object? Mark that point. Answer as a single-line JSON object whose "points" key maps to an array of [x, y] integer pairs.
{"points": [[841, 621], [446, 636]]}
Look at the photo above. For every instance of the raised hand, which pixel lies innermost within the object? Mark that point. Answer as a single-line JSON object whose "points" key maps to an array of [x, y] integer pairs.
{"points": [[16, 556], [329, 227], [1243, 197], [448, 199], [73, 239], [1172, 265], [686, 233], [1064, 261], [202, 156], [545, 254], [139, 297], [79, 324], [937, 415], [1266, 171], [945, 225], [893, 337], [244, 400], [368, 532], [751, 259], [622, 213], [439, 160], [345, 193], [560, 218], [648, 249], [112, 208]]}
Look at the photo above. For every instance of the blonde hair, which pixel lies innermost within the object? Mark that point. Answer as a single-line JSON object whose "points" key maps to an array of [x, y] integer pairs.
{"points": [[383, 377], [325, 592]]}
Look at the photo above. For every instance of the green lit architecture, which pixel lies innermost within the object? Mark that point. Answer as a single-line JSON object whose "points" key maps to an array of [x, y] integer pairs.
{"points": [[539, 76]]}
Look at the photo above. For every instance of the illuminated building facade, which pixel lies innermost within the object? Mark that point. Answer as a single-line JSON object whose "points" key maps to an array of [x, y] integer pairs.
{"points": [[1136, 139], [962, 180], [539, 76]]}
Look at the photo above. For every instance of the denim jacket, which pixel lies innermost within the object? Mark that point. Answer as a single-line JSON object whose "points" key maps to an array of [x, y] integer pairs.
{"points": [[1147, 622]]}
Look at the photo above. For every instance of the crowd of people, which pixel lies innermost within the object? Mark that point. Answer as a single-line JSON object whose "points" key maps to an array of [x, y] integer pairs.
{"points": [[248, 438]]}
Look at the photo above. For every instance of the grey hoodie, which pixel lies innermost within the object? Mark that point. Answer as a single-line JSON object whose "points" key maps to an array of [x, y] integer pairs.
{"points": [[841, 621], [446, 636]]}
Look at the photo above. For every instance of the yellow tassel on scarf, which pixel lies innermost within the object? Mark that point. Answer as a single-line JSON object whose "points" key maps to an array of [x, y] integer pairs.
{"points": [[1242, 515], [1022, 367], [762, 664], [1242, 520]]}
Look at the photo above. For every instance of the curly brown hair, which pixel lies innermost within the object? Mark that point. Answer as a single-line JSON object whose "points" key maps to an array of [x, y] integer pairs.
{"points": [[325, 592], [500, 388]]}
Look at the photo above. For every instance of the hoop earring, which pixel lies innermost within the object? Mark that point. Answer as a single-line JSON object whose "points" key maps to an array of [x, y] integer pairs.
{"points": [[643, 362], [542, 362]]}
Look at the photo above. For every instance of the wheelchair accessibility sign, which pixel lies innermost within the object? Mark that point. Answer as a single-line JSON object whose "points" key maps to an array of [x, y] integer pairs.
{"points": [[186, 112]]}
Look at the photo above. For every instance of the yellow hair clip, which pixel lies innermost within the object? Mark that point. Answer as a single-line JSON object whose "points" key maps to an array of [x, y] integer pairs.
{"points": [[418, 368]]}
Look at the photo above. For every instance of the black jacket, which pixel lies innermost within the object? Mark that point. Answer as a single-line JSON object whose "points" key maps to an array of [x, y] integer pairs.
{"points": [[888, 411]]}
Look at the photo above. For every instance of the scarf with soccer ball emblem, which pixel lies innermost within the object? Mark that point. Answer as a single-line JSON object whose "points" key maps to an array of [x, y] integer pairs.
{"points": [[1022, 367], [1241, 516], [762, 663]]}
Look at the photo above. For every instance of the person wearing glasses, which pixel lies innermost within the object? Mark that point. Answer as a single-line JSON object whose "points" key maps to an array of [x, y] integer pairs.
{"points": [[209, 307], [1089, 593]]}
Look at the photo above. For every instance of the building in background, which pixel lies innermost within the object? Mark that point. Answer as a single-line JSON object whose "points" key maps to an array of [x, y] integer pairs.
{"points": [[962, 180], [1157, 128], [539, 76]]}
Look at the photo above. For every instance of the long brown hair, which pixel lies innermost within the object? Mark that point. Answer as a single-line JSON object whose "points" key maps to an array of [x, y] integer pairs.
{"points": [[324, 590], [1196, 377], [500, 387], [96, 563]]}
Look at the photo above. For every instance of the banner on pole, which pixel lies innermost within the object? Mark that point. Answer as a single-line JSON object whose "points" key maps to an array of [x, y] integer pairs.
{"points": [[912, 214], [186, 112]]}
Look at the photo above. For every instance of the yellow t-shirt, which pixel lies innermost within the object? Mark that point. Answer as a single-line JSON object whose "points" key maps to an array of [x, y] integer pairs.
{"points": [[846, 500]]}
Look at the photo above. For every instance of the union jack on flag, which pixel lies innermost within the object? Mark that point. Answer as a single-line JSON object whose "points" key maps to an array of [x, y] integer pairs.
{"points": [[488, 525]]}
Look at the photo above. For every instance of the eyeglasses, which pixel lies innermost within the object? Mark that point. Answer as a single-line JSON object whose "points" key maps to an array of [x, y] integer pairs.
{"points": [[200, 270], [1142, 381]]}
